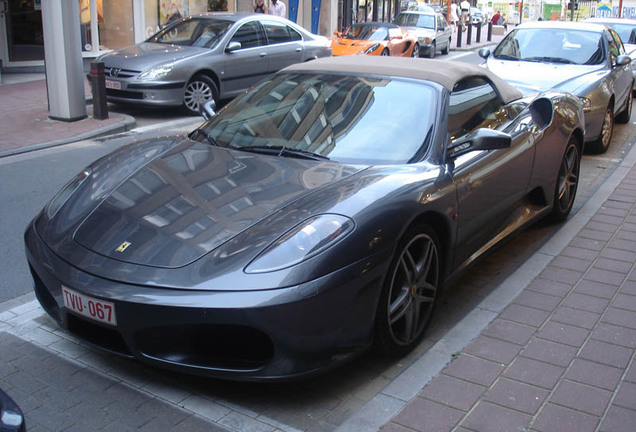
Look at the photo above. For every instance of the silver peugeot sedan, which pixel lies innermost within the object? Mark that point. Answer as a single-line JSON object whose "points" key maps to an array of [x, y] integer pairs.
{"points": [[587, 60], [209, 56]]}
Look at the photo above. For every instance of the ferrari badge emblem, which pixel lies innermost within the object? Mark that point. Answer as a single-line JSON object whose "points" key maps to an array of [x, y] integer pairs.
{"points": [[122, 247]]}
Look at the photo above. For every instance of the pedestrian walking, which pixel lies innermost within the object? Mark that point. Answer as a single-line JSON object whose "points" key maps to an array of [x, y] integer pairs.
{"points": [[454, 18], [465, 7], [260, 7], [278, 8]]}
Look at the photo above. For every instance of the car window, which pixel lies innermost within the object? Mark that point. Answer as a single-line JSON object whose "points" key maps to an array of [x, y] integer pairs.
{"points": [[565, 46], [204, 33], [474, 104], [441, 22], [279, 32], [350, 119], [367, 32], [249, 35], [615, 45], [415, 20]]}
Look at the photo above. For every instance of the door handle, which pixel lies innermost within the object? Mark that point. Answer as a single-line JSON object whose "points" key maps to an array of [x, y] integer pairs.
{"points": [[299, 49], [262, 54]]}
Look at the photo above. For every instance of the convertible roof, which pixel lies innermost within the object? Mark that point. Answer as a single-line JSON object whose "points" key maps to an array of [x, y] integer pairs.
{"points": [[445, 73]]}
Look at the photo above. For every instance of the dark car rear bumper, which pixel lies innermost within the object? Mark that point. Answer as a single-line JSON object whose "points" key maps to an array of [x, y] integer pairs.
{"points": [[242, 335]]}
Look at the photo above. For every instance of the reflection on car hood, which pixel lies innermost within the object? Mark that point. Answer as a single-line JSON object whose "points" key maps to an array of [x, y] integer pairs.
{"points": [[148, 54], [194, 198], [543, 76]]}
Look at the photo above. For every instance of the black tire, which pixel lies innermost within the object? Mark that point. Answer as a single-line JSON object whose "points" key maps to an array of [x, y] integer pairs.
{"points": [[431, 53], [447, 48], [624, 116], [199, 89], [385, 52], [416, 51], [409, 293], [567, 181], [603, 142]]}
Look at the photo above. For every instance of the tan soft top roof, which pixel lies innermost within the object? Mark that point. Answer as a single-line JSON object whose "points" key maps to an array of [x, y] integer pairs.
{"points": [[446, 73]]}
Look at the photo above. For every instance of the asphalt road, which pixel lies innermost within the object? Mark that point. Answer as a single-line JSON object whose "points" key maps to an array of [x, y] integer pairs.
{"points": [[29, 180]]}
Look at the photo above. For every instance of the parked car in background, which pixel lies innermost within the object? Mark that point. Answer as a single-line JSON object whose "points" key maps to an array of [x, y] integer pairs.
{"points": [[317, 214], [375, 38], [431, 29], [210, 56], [626, 29], [587, 60], [476, 16]]}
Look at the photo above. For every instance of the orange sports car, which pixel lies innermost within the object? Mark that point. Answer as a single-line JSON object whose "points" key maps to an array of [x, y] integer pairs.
{"points": [[375, 38]]}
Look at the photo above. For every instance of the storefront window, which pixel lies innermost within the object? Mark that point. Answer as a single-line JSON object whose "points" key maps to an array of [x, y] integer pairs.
{"points": [[114, 19], [158, 13]]}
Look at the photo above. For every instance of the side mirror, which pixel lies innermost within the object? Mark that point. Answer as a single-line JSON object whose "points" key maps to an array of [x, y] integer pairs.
{"points": [[396, 37], [484, 53], [623, 60], [233, 46], [481, 139], [337, 33], [206, 109]]}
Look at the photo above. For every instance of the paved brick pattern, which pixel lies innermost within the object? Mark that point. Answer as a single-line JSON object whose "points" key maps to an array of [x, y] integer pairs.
{"points": [[560, 357]]}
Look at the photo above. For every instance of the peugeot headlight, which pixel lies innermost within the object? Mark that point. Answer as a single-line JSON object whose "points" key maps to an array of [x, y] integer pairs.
{"points": [[587, 104], [62, 196], [156, 72], [370, 49], [305, 240]]}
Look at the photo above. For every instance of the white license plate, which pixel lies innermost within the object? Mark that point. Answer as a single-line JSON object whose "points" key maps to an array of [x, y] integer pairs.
{"points": [[98, 310], [113, 85]]}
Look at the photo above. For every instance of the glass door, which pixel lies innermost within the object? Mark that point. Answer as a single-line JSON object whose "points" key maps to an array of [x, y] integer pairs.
{"points": [[23, 27]]}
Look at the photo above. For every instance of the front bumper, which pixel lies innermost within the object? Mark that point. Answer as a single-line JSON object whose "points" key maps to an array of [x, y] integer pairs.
{"points": [[131, 91], [243, 335]]}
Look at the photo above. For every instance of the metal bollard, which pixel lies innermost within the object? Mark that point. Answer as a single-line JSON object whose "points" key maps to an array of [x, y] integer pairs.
{"points": [[98, 86], [478, 32], [469, 34], [489, 31], [459, 36]]}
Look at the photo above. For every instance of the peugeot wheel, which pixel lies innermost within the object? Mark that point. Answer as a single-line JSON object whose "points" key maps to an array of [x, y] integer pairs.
{"points": [[603, 142], [624, 116], [567, 181], [409, 293], [431, 53], [200, 89]]}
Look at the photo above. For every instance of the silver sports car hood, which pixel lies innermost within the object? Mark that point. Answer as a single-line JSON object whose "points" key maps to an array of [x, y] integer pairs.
{"points": [[148, 54], [193, 199], [541, 76]]}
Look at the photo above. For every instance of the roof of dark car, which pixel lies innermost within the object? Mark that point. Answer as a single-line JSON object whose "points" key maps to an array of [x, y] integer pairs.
{"points": [[573, 25], [445, 73]]}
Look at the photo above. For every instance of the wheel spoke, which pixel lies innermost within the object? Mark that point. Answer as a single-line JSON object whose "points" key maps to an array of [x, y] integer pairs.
{"points": [[411, 322], [398, 308]]}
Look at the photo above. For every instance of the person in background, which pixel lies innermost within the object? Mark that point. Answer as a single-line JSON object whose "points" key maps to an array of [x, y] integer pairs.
{"points": [[495, 18], [260, 7], [453, 15], [502, 21], [465, 7], [174, 14], [278, 8]]}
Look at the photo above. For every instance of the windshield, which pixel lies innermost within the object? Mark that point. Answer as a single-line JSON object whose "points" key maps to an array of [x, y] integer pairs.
{"points": [[204, 33], [565, 46], [350, 119], [415, 20], [367, 32]]}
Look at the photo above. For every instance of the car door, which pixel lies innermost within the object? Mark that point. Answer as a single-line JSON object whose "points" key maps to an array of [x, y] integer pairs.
{"points": [[284, 45], [621, 76], [397, 44], [490, 184], [442, 33], [248, 64]]}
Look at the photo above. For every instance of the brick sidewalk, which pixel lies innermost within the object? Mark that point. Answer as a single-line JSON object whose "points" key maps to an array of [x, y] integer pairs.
{"points": [[560, 357]]}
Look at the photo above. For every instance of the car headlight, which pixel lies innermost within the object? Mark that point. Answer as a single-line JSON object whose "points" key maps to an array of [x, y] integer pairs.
{"points": [[156, 72], [587, 104], [62, 196], [302, 242], [425, 40], [372, 48]]}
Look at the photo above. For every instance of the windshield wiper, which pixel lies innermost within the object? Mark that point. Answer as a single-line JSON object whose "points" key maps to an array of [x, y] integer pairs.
{"points": [[198, 133], [506, 57], [283, 151], [549, 60]]}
